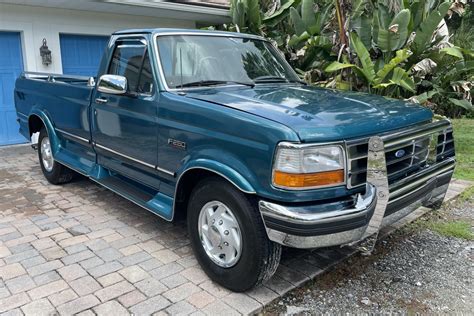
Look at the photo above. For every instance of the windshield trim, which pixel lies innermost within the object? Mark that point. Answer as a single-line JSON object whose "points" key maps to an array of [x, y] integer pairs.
{"points": [[233, 35]]}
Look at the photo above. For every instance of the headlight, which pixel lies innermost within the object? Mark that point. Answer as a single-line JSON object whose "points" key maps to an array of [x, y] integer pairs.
{"points": [[304, 166]]}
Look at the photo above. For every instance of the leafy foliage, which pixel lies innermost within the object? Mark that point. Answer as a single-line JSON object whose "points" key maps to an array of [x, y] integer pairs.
{"points": [[246, 16], [463, 34], [447, 89]]}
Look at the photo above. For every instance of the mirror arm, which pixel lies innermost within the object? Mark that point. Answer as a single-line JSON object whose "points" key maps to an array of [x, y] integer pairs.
{"points": [[131, 94]]}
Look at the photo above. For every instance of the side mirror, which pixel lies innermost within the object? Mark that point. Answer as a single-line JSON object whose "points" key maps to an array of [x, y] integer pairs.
{"points": [[112, 84]]}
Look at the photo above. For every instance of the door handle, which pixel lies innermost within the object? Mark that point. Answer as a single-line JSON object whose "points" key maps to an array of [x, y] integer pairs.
{"points": [[101, 101]]}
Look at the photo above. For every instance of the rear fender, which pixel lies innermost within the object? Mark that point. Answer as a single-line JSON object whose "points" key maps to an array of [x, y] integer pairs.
{"points": [[48, 124]]}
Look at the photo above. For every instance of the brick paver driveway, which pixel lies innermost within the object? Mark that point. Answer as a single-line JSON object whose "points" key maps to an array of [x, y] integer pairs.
{"points": [[79, 248]]}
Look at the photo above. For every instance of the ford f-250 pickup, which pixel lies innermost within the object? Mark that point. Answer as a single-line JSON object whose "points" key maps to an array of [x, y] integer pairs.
{"points": [[217, 128]]}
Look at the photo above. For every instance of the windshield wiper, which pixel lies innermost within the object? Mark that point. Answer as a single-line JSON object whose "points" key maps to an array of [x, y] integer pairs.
{"points": [[270, 78], [203, 83], [266, 79]]}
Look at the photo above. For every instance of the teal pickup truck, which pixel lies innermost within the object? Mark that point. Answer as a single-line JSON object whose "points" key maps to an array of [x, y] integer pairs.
{"points": [[216, 128]]}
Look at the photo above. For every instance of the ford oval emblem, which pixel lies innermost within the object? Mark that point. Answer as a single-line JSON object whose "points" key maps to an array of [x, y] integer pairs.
{"points": [[400, 153]]}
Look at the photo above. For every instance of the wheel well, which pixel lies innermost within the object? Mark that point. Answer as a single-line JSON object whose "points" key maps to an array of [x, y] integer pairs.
{"points": [[186, 184], [35, 124]]}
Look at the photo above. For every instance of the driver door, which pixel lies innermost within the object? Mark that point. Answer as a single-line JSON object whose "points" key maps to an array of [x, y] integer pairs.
{"points": [[125, 126]]}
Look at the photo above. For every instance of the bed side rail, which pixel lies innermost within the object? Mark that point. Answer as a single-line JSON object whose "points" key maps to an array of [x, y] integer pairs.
{"points": [[51, 77]]}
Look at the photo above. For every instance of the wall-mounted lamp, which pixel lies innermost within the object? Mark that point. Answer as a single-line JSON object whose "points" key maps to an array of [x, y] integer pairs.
{"points": [[45, 53]]}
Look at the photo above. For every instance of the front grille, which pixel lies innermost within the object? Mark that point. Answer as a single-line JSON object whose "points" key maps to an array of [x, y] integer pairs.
{"points": [[406, 152]]}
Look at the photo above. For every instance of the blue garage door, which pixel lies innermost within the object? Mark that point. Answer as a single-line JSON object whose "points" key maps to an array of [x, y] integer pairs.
{"points": [[81, 54], [11, 65]]}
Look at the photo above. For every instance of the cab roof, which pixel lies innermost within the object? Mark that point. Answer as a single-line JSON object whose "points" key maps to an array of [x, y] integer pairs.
{"points": [[173, 31]]}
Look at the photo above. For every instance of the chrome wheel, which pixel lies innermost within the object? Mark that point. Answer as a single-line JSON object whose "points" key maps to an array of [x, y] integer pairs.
{"points": [[220, 234], [46, 154]]}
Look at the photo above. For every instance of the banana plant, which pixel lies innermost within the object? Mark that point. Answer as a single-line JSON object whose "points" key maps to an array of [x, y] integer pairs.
{"points": [[246, 16], [427, 28], [391, 74], [309, 44], [451, 82], [309, 23], [271, 19], [396, 34]]}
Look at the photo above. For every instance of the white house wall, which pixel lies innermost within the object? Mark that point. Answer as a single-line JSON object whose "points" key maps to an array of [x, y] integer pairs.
{"points": [[36, 23]]}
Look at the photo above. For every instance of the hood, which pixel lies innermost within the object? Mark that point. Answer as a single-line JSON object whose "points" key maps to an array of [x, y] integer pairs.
{"points": [[318, 114]]}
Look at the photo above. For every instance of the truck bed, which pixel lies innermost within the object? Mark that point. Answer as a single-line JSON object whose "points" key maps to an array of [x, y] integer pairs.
{"points": [[65, 98]]}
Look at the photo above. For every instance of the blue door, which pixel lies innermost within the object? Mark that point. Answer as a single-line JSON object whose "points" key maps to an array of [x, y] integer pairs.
{"points": [[81, 54], [11, 65]]}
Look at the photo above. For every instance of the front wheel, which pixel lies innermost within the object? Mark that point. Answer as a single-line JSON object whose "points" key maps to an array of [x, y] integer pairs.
{"points": [[228, 236], [53, 171]]}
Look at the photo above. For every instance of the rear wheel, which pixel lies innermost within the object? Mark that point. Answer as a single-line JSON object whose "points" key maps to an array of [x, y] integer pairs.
{"points": [[228, 236], [53, 171]]}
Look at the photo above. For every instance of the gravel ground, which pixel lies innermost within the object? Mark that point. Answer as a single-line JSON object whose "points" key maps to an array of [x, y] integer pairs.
{"points": [[415, 270]]}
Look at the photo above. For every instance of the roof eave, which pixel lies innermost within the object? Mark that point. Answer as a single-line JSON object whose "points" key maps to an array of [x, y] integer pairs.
{"points": [[200, 9]]}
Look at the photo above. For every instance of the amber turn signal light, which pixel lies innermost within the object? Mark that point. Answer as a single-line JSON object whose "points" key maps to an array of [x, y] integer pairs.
{"points": [[298, 180]]}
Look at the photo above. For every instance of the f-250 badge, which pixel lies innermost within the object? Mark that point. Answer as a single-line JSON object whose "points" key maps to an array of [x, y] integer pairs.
{"points": [[177, 144]]}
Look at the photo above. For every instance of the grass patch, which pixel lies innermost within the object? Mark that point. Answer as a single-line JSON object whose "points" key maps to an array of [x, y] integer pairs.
{"points": [[464, 144], [466, 195], [457, 228], [443, 222]]}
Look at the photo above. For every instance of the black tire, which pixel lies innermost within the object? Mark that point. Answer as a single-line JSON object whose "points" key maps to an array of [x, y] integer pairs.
{"points": [[59, 174], [260, 256]]}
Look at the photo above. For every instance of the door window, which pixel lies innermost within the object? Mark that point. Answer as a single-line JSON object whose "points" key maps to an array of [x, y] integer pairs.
{"points": [[133, 62]]}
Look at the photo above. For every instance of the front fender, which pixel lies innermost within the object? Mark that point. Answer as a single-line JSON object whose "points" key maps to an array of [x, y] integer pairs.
{"points": [[222, 169], [47, 122]]}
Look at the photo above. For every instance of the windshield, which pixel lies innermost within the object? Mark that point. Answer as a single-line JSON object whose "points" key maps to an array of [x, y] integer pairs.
{"points": [[191, 59]]}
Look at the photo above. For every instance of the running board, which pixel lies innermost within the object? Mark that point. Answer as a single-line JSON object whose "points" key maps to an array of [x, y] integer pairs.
{"points": [[151, 200], [140, 194]]}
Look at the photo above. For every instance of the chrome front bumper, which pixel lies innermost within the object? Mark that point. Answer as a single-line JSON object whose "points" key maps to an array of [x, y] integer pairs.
{"points": [[351, 221]]}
